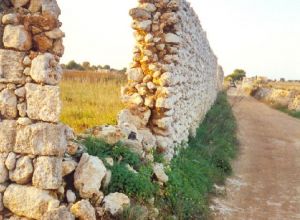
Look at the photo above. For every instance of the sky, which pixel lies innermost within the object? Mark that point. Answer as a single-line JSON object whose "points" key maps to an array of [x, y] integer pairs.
{"points": [[260, 36]]}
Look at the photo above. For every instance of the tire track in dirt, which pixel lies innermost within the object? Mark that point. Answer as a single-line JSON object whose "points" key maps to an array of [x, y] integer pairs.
{"points": [[266, 181]]}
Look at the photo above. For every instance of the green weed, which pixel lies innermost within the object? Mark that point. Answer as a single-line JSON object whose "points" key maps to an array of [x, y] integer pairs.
{"points": [[205, 162]]}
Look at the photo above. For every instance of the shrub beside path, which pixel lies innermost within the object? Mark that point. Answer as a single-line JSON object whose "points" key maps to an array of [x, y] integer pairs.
{"points": [[266, 181]]}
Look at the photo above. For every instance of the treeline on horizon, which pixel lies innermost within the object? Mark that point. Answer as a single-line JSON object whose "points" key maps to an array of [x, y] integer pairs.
{"points": [[87, 66]]}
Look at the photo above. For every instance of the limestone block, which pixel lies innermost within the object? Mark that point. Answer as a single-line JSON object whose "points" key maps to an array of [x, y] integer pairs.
{"points": [[10, 19], [7, 135], [148, 7], [41, 22], [28, 201], [20, 92], [23, 172], [43, 102], [11, 67], [136, 99], [167, 103], [71, 196], [22, 109], [17, 37], [72, 148], [84, 210], [3, 187], [149, 101], [43, 139], [172, 38], [55, 34], [58, 47], [68, 167], [139, 14], [19, 3], [89, 175], [42, 42], [135, 74], [164, 123], [110, 134], [142, 25], [8, 104], [148, 139], [134, 146], [3, 169], [50, 6], [61, 213], [24, 121], [44, 69], [47, 173], [35, 5], [11, 160], [159, 172], [136, 118], [115, 203]]}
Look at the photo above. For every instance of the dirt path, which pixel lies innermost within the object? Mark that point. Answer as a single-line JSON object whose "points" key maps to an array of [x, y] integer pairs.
{"points": [[266, 181]]}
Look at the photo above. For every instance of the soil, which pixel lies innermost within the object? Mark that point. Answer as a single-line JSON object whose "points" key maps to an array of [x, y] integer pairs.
{"points": [[266, 181]]}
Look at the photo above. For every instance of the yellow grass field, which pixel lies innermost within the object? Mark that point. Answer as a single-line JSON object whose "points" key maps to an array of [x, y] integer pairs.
{"points": [[285, 85], [90, 98]]}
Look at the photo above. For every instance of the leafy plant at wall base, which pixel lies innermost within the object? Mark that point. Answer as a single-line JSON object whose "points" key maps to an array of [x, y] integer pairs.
{"points": [[102, 150], [138, 185]]}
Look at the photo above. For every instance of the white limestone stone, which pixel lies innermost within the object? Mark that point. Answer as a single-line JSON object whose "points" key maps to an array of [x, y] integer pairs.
{"points": [[23, 172], [47, 173], [43, 139], [89, 175], [17, 37], [43, 102], [44, 69], [28, 201], [8, 104], [3, 169], [83, 210], [11, 67], [7, 135], [116, 202]]}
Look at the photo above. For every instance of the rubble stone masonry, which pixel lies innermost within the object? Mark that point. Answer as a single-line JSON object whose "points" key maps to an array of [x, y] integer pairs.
{"points": [[174, 77], [172, 82]]}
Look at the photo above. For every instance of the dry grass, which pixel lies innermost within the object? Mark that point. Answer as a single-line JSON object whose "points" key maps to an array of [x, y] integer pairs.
{"points": [[285, 85], [90, 98]]}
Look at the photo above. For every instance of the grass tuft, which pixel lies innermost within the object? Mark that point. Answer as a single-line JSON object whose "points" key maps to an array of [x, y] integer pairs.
{"points": [[292, 113]]}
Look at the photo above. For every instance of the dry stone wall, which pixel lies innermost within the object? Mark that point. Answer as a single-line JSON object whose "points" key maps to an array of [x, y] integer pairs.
{"points": [[282, 97], [32, 141], [174, 77], [44, 172]]}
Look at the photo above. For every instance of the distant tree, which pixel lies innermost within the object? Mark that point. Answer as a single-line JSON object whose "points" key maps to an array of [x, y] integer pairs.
{"points": [[237, 75], [94, 68], [123, 70], [107, 67], [72, 65], [86, 65]]}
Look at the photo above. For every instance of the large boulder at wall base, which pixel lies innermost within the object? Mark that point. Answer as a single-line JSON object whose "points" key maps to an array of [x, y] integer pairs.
{"points": [[89, 175], [28, 201], [83, 210], [115, 203]]}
